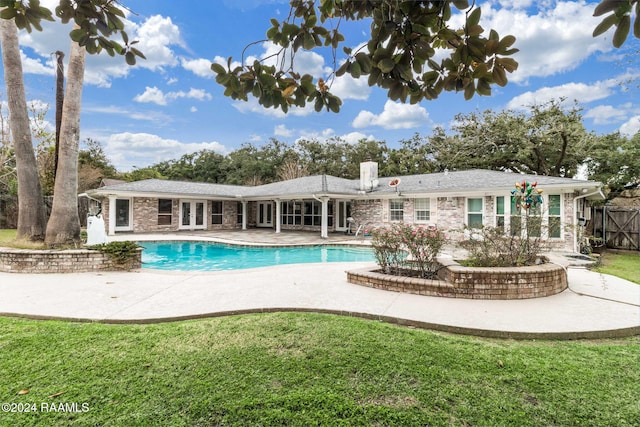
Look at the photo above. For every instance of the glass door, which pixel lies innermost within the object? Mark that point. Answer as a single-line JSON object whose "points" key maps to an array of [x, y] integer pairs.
{"points": [[344, 212], [192, 215], [265, 214]]}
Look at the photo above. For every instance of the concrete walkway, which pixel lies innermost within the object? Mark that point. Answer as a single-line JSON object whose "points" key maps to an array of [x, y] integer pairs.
{"points": [[594, 306]]}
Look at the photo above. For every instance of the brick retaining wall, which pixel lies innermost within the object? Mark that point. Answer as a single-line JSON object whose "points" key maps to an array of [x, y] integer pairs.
{"points": [[62, 261], [457, 281]]}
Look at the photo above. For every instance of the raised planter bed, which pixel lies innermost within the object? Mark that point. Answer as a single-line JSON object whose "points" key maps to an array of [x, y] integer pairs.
{"points": [[63, 261], [457, 281]]}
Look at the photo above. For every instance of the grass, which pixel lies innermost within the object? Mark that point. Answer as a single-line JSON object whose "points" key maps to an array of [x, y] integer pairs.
{"points": [[7, 236], [621, 264], [308, 369]]}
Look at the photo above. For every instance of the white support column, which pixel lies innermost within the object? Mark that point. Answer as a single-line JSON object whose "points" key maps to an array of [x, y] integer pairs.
{"points": [[324, 229], [278, 214], [112, 215], [244, 214]]}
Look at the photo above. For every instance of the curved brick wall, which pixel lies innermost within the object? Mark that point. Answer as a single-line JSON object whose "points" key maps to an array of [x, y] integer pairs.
{"points": [[457, 281], [61, 261]]}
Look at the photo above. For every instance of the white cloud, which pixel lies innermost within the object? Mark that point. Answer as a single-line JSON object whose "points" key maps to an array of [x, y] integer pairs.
{"points": [[156, 35], [556, 39], [355, 137], [152, 94], [156, 96], [128, 150], [200, 67], [346, 87], [394, 116], [281, 130], [631, 127], [193, 109], [581, 92], [605, 114]]}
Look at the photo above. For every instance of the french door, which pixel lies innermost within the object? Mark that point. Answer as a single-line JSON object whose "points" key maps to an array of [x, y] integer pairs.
{"points": [[343, 212], [265, 214], [192, 215]]}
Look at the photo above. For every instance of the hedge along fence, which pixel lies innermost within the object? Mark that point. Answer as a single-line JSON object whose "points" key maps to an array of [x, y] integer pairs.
{"points": [[71, 260]]}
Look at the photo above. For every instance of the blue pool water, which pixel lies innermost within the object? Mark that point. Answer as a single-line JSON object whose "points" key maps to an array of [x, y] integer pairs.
{"points": [[208, 256]]}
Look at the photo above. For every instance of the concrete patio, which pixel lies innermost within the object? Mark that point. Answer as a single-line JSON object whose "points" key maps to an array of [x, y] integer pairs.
{"points": [[594, 306]]}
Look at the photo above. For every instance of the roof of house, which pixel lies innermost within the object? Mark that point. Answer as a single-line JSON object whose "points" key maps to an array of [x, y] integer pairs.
{"points": [[474, 180]]}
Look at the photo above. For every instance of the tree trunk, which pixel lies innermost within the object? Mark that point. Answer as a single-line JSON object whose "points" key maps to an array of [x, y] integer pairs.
{"points": [[64, 224], [31, 212], [59, 102]]}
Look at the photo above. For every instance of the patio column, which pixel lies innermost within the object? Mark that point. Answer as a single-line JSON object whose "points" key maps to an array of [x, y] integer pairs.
{"points": [[244, 214], [278, 207], [324, 229], [112, 215]]}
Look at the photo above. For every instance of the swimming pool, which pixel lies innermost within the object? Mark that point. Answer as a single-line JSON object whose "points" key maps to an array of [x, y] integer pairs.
{"points": [[210, 256]]}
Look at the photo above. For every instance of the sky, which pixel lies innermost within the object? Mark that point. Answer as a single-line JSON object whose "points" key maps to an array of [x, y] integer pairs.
{"points": [[169, 104]]}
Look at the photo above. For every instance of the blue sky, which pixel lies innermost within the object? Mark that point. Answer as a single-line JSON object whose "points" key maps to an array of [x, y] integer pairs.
{"points": [[170, 105]]}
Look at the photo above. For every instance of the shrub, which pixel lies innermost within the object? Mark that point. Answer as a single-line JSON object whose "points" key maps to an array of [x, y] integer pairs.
{"points": [[493, 247], [403, 248], [119, 252]]}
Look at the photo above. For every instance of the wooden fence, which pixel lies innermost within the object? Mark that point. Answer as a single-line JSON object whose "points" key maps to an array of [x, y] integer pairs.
{"points": [[9, 210], [619, 227]]}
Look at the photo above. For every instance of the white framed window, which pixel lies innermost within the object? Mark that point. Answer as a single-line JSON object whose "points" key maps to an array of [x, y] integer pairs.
{"points": [[475, 212], [500, 212], [422, 210], [396, 210], [555, 216], [123, 215]]}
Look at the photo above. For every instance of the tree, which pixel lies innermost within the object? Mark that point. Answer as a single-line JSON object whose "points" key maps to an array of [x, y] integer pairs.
{"points": [[31, 213], [93, 166], [548, 141], [399, 55], [613, 160], [412, 158], [95, 22], [64, 224]]}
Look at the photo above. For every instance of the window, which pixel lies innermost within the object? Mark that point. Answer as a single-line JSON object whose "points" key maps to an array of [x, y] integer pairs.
{"points": [[238, 212], [291, 213], [216, 212], [515, 219], [554, 216], [165, 211], [312, 213], [123, 213], [500, 212], [534, 221], [421, 208], [474, 213], [396, 210]]}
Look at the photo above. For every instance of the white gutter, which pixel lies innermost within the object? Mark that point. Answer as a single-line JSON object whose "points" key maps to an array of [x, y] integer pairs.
{"points": [[575, 214]]}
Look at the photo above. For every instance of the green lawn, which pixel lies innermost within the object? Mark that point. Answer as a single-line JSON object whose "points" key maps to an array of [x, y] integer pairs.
{"points": [[7, 235], [621, 264], [308, 369]]}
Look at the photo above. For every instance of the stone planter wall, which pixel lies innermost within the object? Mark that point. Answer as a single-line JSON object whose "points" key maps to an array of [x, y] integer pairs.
{"points": [[62, 261], [457, 281]]}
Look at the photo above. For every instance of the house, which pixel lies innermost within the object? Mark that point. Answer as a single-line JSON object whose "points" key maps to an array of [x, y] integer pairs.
{"points": [[325, 203]]}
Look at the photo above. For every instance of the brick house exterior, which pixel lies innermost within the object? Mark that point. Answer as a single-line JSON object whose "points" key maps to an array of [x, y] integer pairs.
{"points": [[323, 203]]}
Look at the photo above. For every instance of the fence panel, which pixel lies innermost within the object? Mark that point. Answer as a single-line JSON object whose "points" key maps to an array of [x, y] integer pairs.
{"points": [[619, 227]]}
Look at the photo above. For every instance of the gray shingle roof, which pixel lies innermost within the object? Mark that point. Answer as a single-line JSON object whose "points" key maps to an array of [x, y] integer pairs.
{"points": [[445, 182]]}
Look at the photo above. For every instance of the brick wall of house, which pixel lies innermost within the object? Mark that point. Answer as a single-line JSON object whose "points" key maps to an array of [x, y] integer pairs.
{"points": [[145, 215]]}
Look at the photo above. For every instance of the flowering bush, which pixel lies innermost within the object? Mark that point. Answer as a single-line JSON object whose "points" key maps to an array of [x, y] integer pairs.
{"points": [[403, 247]]}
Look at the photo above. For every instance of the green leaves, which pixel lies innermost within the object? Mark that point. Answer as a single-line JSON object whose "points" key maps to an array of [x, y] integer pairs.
{"points": [[96, 22], [620, 17], [397, 58]]}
